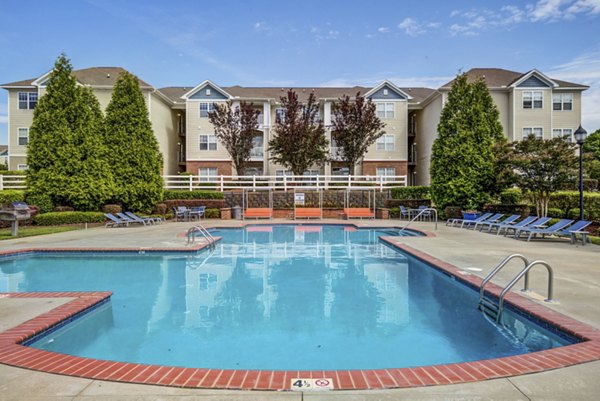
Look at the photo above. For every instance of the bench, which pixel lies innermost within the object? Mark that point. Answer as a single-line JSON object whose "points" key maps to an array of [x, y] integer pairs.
{"points": [[258, 213], [358, 212], [307, 213]]}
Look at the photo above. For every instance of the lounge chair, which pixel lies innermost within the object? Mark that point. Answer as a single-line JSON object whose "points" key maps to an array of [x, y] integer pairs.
{"points": [[576, 228], [308, 213], [196, 212], [504, 225], [358, 212], [454, 222], [123, 216], [509, 220], [468, 223], [494, 219], [115, 221], [539, 223], [153, 220], [553, 229]]}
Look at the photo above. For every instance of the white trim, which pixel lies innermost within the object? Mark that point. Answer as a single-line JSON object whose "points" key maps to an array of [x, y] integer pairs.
{"points": [[8, 129], [385, 160], [208, 160], [18, 87], [39, 80], [17, 155], [540, 75], [18, 137], [201, 85], [533, 91], [208, 143], [391, 85]]}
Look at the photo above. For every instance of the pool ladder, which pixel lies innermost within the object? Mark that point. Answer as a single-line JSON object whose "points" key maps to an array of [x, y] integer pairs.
{"points": [[494, 308], [202, 230], [423, 211]]}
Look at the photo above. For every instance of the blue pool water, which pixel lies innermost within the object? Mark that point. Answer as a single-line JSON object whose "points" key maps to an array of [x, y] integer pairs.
{"points": [[275, 297]]}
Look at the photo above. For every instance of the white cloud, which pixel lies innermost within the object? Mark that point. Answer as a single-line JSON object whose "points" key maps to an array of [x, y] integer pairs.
{"points": [[412, 27], [546, 10], [259, 25], [584, 69], [383, 29]]}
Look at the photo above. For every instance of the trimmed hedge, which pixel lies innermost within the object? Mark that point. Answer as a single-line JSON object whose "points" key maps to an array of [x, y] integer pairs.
{"points": [[42, 201], [512, 196], [416, 192], [212, 213], [567, 200], [209, 203], [11, 195], [58, 218], [409, 203], [183, 194], [12, 172], [523, 209]]}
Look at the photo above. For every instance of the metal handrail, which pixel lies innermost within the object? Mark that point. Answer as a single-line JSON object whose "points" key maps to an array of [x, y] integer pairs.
{"points": [[525, 271], [498, 268], [199, 228], [428, 209]]}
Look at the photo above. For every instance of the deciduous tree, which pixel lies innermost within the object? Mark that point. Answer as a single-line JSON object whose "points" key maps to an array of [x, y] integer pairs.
{"points": [[355, 127], [299, 140], [235, 128]]}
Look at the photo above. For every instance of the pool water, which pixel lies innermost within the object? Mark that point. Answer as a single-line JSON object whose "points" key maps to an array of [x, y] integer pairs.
{"points": [[282, 297]]}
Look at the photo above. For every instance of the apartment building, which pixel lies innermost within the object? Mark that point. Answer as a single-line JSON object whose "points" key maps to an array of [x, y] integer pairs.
{"points": [[529, 103]]}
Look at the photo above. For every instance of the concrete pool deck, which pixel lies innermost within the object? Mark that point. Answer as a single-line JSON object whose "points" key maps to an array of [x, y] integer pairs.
{"points": [[577, 285]]}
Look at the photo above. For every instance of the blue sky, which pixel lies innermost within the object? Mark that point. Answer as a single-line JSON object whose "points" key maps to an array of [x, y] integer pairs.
{"points": [[310, 43]]}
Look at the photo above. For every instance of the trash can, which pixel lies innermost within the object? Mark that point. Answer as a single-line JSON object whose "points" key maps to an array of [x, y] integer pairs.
{"points": [[237, 212]]}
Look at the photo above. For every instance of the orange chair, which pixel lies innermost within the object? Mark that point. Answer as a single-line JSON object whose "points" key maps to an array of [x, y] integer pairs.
{"points": [[358, 212]]}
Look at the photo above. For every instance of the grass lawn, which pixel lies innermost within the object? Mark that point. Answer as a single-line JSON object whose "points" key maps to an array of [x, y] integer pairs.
{"points": [[32, 231]]}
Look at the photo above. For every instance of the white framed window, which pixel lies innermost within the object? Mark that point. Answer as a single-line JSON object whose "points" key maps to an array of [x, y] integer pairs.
{"points": [[386, 172], [27, 100], [23, 136], [564, 133], [22, 167], [207, 173], [280, 114], [386, 92], [385, 110], [533, 99], [207, 92], [208, 281], [205, 108], [386, 142], [208, 142], [538, 132], [562, 101]]}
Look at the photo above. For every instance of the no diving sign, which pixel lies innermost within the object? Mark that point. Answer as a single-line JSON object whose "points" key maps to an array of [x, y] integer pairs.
{"points": [[300, 384]]}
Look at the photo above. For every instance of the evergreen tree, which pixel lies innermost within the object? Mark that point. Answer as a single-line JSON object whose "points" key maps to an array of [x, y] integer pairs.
{"points": [[592, 144], [355, 127], [299, 140], [66, 151], [235, 129], [462, 161], [133, 155]]}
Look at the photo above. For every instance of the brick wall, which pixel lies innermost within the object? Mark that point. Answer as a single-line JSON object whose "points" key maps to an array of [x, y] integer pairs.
{"points": [[223, 167], [370, 167]]}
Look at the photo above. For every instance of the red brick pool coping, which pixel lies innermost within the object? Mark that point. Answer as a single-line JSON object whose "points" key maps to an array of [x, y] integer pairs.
{"points": [[14, 354]]}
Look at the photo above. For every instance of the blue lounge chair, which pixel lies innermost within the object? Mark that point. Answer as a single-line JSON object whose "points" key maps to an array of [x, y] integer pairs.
{"points": [[115, 221], [494, 219], [454, 222], [124, 217], [503, 225], [509, 220], [553, 229], [151, 220], [469, 223], [539, 223], [576, 228]]}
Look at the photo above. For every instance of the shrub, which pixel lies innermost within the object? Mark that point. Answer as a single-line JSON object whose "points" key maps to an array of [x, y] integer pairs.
{"points": [[160, 209], [212, 213], [209, 203], [62, 209], [567, 200], [453, 212], [112, 208], [410, 203], [556, 213], [12, 172], [42, 201], [183, 194], [11, 195], [522, 209], [416, 192], [511, 196], [394, 212], [590, 184], [58, 218]]}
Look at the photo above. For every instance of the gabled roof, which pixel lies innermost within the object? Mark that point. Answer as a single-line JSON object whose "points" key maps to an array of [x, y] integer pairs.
{"points": [[95, 76], [3, 150], [537, 74], [391, 86], [501, 78], [202, 85]]}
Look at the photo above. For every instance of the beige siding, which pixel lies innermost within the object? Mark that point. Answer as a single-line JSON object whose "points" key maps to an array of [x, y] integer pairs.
{"points": [[164, 125], [568, 118], [501, 99], [525, 118], [14, 162], [427, 121], [197, 126], [17, 119], [511, 107], [398, 127]]}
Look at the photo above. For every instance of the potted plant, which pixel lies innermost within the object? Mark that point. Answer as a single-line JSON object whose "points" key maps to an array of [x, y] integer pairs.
{"points": [[470, 213]]}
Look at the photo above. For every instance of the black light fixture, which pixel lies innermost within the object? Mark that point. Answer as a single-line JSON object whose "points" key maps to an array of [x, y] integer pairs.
{"points": [[580, 136]]}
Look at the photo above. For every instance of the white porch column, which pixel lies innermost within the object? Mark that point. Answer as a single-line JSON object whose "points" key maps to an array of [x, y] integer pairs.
{"points": [[267, 113], [327, 113]]}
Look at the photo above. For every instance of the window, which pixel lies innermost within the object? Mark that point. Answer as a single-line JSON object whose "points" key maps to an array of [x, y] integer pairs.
{"points": [[562, 101], [27, 100], [206, 108], [22, 167], [280, 115], [23, 136], [538, 132], [386, 172], [207, 173], [385, 92], [533, 99], [565, 133], [208, 142], [385, 110], [280, 173], [386, 142], [207, 92], [208, 281]]}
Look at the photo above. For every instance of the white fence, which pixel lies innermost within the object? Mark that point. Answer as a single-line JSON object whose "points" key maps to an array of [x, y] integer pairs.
{"points": [[285, 182], [227, 182]]}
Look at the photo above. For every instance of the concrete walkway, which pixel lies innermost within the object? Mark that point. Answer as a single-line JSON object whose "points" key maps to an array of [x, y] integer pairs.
{"points": [[577, 289]]}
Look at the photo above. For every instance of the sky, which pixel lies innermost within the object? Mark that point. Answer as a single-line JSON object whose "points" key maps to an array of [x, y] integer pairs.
{"points": [[304, 43]]}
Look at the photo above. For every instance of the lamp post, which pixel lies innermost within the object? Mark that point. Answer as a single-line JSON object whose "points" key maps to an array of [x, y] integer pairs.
{"points": [[580, 135]]}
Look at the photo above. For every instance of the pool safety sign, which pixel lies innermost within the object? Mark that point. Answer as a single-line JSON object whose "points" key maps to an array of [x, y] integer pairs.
{"points": [[299, 199], [300, 384]]}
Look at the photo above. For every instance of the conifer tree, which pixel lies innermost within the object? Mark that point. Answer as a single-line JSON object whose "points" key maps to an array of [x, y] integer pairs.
{"points": [[133, 155], [66, 151], [462, 161]]}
